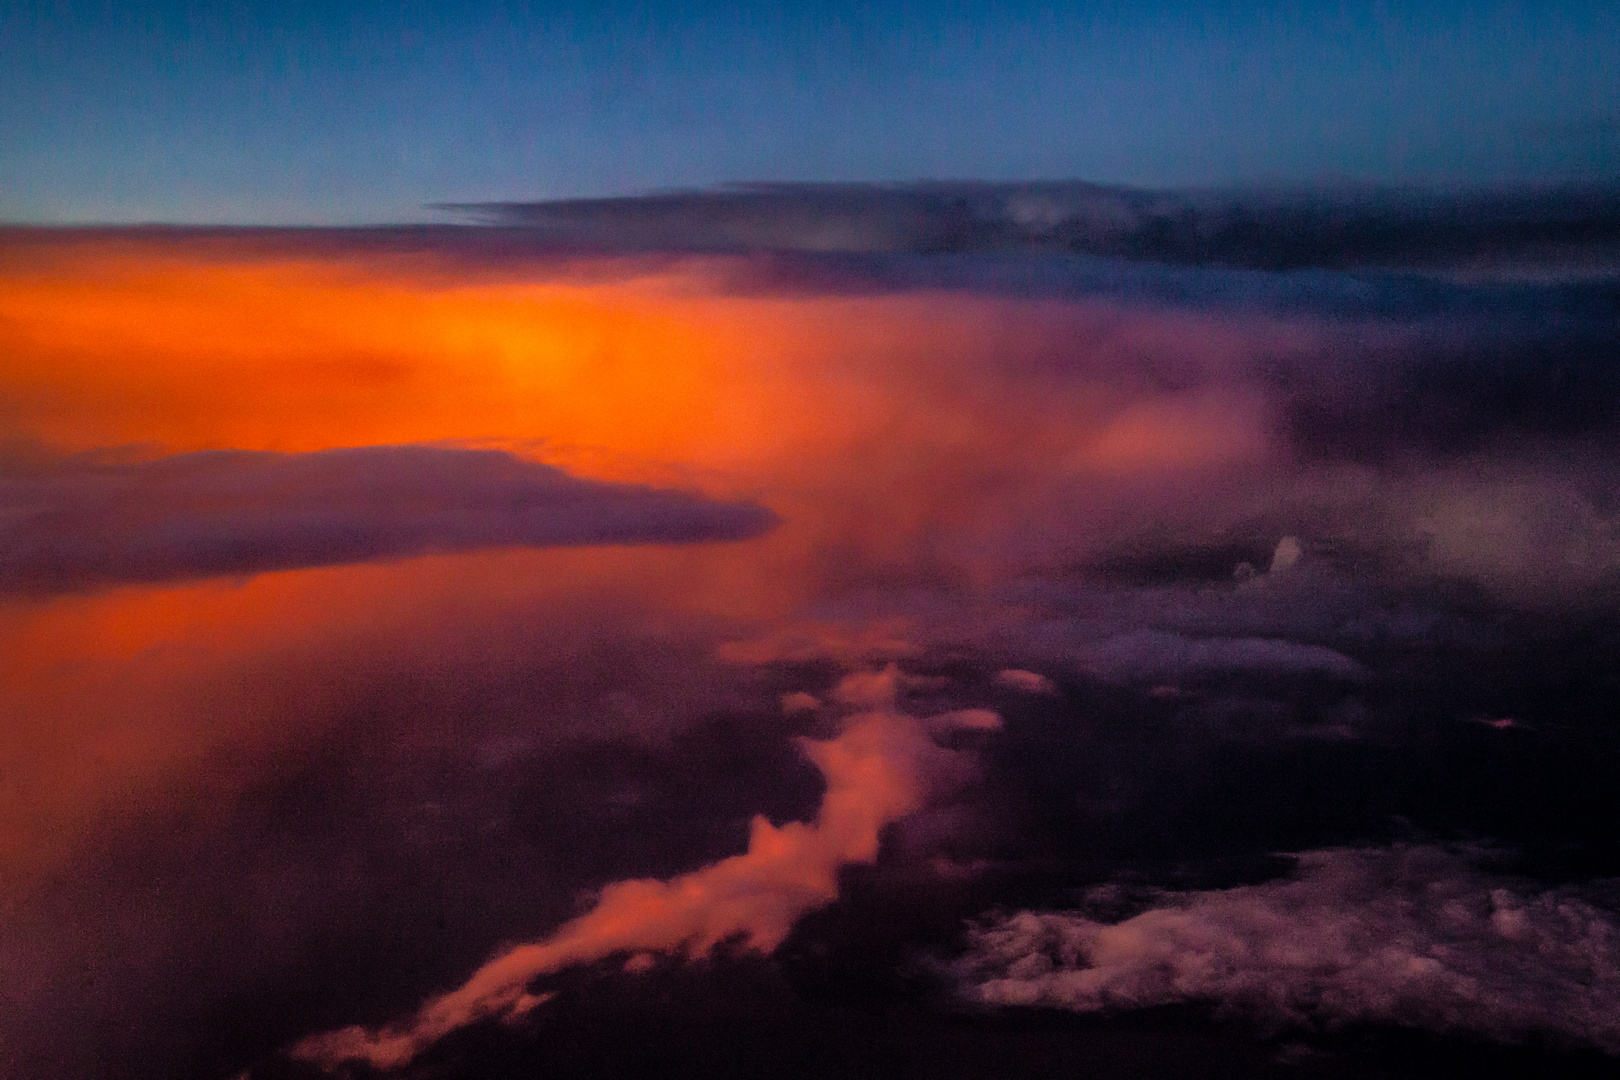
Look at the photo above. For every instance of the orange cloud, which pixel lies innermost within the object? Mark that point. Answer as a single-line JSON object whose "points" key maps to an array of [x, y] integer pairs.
{"points": [[877, 771], [902, 437], [628, 366]]}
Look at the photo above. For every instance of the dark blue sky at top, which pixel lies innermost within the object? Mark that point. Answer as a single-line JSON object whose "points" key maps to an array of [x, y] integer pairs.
{"points": [[325, 112]]}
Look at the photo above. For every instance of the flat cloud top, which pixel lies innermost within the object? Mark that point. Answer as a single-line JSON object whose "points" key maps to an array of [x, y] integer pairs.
{"points": [[77, 522], [1335, 229]]}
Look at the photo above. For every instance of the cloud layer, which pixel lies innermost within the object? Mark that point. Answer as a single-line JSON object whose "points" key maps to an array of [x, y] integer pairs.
{"points": [[1268, 230], [1411, 936], [71, 523], [1246, 561]]}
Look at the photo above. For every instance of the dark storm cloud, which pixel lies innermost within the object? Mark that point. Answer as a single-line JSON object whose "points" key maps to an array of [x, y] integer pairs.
{"points": [[1531, 367], [77, 522], [1272, 231]]}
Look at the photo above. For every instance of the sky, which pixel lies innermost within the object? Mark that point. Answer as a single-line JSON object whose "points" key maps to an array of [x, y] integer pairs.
{"points": [[951, 543], [299, 113]]}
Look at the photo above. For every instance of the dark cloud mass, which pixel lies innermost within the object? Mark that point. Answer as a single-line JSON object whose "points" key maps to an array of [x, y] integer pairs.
{"points": [[76, 522], [1256, 229], [1182, 641]]}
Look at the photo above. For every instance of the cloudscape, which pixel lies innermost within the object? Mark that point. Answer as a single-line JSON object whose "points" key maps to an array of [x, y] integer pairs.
{"points": [[808, 622]]}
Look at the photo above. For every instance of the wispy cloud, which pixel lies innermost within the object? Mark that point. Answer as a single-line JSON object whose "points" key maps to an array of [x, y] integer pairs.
{"points": [[1148, 653]]}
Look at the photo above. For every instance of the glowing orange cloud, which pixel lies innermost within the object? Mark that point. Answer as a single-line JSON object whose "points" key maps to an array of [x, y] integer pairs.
{"points": [[880, 428], [877, 771], [630, 370]]}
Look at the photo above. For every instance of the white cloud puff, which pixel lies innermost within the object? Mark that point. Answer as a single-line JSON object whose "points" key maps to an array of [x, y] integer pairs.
{"points": [[1411, 936]]}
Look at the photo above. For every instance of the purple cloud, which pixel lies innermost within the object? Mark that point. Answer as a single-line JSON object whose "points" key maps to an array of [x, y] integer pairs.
{"points": [[1412, 936], [1154, 653], [77, 522]]}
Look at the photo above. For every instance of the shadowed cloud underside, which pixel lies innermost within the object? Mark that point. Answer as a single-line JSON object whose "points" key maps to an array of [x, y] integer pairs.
{"points": [[77, 522]]}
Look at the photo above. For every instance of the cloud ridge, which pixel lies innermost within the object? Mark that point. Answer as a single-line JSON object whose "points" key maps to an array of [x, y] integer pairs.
{"points": [[1272, 230]]}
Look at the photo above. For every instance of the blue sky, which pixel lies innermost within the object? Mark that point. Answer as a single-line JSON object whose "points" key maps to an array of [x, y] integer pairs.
{"points": [[327, 113]]}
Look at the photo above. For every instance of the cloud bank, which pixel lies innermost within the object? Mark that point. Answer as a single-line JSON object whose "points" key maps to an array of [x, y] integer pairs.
{"points": [[76, 522], [1336, 229], [1410, 936], [878, 770]]}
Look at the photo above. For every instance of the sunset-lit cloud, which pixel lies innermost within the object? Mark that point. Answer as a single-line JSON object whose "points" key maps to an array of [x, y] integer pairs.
{"points": [[351, 631], [877, 770]]}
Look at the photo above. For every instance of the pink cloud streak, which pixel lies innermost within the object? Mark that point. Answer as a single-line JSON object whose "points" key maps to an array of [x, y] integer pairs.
{"points": [[878, 770]]}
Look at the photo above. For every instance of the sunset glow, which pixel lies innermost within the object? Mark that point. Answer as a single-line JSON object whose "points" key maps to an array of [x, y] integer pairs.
{"points": [[831, 540]]}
